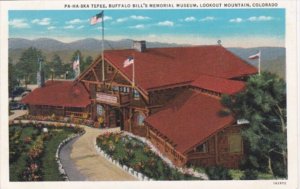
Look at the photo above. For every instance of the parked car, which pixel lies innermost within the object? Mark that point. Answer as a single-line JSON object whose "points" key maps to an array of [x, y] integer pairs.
{"points": [[17, 91], [25, 93], [17, 106]]}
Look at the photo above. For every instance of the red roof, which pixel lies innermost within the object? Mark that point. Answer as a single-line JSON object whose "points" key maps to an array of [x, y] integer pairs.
{"points": [[59, 93], [220, 85], [190, 119], [158, 67]]}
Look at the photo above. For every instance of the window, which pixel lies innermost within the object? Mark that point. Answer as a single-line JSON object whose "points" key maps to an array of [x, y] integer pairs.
{"points": [[235, 143], [115, 88], [136, 95], [140, 119], [110, 69], [202, 148], [100, 110]]}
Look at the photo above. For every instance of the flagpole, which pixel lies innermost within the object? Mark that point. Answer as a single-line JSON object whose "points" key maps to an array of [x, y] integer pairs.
{"points": [[133, 71], [259, 63], [78, 58], [103, 77]]}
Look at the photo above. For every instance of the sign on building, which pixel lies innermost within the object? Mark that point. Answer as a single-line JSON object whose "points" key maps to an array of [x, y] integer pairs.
{"points": [[106, 98]]}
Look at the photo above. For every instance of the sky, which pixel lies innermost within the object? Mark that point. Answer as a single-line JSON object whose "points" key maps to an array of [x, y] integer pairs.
{"points": [[234, 27]]}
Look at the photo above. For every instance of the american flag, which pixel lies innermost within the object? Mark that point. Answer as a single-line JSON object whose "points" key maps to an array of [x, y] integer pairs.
{"points": [[128, 61], [97, 18], [76, 64]]}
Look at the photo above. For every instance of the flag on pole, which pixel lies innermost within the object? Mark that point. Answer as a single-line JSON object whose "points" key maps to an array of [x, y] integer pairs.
{"points": [[128, 61], [97, 18], [76, 66], [255, 56]]}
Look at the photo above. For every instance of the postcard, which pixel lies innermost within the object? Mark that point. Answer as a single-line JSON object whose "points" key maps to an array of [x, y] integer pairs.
{"points": [[131, 94]]}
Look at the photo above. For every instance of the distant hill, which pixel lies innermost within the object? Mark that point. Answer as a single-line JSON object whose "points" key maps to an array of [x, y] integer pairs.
{"points": [[88, 44], [272, 59]]}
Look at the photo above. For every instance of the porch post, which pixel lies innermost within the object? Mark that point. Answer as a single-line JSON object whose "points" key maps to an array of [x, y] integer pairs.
{"points": [[216, 149]]}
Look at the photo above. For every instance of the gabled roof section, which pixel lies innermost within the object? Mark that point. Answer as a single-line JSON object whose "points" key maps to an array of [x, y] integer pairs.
{"points": [[190, 119], [220, 85], [158, 67], [59, 93]]}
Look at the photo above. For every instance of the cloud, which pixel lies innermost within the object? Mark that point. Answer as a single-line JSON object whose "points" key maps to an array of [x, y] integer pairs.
{"points": [[69, 27], [135, 17], [107, 18], [236, 20], [132, 17], [139, 26], [19, 23], [152, 36], [208, 18], [42, 22], [190, 19], [166, 23], [260, 18], [80, 27], [75, 21], [51, 27], [122, 19]]}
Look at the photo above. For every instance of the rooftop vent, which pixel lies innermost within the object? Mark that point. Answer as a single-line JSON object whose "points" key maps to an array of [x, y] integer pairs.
{"points": [[139, 46]]}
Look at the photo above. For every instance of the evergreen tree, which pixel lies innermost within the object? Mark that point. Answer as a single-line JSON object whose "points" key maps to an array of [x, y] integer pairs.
{"points": [[87, 62], [263, 104], [56, 66], [12, 76], [28, 65]]}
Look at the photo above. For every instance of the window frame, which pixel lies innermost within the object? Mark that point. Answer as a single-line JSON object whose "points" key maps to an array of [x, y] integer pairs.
{"points": [[204, 148], [232, 145]]}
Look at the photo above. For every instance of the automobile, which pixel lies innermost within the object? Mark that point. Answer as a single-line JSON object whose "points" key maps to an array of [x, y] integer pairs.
{"points": [[17, 106], [17, 91], [25, 93]]}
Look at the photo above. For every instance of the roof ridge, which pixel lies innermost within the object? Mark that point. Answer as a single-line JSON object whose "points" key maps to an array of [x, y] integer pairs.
{"points": [[171, 47]]}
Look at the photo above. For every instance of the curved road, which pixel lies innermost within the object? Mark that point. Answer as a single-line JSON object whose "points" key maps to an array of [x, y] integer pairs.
{"points": [[82, 163]]}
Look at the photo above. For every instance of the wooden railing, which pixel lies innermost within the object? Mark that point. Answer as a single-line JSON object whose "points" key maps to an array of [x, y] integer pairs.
{"points": [[78, 114], [200, 155]]}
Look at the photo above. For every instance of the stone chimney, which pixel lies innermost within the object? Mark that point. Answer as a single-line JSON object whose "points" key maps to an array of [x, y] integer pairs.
{"points": [[139, 46]]}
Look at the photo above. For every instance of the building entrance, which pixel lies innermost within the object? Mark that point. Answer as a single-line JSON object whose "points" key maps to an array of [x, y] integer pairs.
{"points": [[116, 118]]}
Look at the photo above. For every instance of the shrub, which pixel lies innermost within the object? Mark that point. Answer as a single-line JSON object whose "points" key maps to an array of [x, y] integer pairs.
{"points": [[218, 173], [250, 174]]}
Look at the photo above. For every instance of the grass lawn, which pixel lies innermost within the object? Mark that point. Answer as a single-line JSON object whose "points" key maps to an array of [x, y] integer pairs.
{"points": [[23, 139], [49, 164]]}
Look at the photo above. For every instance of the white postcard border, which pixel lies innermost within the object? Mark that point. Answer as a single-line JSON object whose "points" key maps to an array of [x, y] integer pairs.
{"points": [[292, 84]]}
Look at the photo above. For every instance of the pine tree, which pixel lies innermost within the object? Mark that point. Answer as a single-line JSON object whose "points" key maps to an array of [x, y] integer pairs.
{"points": [[12, 77], [27, 65], [263, 104]]}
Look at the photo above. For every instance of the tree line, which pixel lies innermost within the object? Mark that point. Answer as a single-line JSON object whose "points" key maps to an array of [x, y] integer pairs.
{"points": [[25, 70]]}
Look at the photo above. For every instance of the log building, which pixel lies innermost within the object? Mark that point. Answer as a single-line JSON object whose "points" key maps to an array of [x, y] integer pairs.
{"points": [[174, 100]]}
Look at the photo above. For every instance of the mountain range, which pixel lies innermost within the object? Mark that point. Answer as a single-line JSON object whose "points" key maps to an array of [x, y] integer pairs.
{"points": [[272, 58], [88, 44]]}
